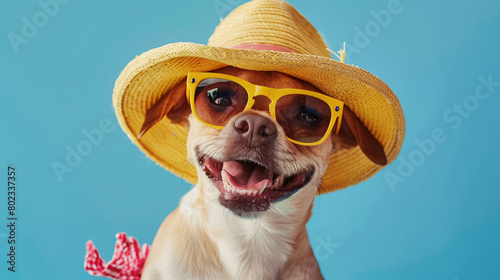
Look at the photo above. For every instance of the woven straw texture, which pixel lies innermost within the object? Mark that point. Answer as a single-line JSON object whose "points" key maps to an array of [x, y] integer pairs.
{"points": [[151, 75]]}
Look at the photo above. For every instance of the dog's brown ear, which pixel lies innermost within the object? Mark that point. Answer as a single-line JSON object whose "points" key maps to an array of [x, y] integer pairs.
{"points": [[353, 132], [173, 105]]}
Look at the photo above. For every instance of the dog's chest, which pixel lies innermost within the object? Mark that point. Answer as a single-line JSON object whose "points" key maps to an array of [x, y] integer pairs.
{"points": [[254, 249]]}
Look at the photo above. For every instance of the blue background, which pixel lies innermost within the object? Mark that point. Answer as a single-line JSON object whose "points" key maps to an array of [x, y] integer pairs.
{"points": [[434, 213]]}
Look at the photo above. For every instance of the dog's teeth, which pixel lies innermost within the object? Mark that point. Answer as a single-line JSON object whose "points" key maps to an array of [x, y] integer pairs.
{"points": [[233, 188], [278, 182], [254, 192], [263, 188], [225, 183], [249, 192]]}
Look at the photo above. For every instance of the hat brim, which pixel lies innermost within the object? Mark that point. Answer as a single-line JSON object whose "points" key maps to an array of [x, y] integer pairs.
{"points": [[151, 75]]}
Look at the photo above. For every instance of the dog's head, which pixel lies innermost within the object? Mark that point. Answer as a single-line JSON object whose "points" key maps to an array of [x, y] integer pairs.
{"points": [[249, 164]]}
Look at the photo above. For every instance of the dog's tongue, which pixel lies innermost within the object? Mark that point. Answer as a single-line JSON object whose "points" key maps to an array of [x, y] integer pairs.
{"points": [[246, 175]]}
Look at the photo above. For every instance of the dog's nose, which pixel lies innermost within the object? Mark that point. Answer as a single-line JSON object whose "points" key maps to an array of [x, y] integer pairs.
{"points": [[255, 129]]}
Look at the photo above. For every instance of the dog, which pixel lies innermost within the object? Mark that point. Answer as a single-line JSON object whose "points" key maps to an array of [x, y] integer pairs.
{"points": [[246, 217], [262, 141]]}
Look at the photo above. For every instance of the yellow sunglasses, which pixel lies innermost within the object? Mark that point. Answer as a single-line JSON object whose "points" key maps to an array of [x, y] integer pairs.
{"points": [[307, 117]]}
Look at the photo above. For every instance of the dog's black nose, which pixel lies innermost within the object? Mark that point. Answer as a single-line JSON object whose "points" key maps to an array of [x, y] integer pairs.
{"points": [[255, 129]]}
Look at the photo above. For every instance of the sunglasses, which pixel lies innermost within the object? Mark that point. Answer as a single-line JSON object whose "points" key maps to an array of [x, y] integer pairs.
{"points": [[307, 117]]}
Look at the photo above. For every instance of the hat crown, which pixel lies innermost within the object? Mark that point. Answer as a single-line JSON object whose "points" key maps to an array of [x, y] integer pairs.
{"points": [[269, 22]]}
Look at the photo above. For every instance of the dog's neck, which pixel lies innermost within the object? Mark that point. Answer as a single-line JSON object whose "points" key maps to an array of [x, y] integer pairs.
{"points": [[256, 248]]}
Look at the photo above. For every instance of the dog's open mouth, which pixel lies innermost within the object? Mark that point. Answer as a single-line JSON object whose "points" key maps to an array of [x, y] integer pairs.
{"points": [[247, 186]]}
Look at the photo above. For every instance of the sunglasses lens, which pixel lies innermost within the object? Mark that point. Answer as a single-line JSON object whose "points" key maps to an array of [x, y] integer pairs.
{"points": [[304, 118], [217, 100]]}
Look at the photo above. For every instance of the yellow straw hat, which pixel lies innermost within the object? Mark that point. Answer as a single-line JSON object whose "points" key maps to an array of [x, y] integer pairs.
{"points": [[263, 35]]}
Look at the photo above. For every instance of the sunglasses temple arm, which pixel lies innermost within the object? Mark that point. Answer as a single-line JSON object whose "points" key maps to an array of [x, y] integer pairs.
{"points": [[339, 122]]}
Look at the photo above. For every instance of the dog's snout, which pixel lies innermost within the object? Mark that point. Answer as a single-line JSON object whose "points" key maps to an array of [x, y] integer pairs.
{"points": [[255, 129]]}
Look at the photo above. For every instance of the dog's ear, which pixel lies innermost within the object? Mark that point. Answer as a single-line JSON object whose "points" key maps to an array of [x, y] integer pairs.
{"points": [[353, 132], [174, 105]]}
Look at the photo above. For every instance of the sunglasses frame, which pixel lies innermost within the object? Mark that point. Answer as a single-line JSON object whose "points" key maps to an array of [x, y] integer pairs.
{"points": [[336, 106]]}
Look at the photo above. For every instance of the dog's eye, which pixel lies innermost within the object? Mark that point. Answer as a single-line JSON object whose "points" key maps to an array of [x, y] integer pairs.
{"points": [[308, 116], [219, 98]]}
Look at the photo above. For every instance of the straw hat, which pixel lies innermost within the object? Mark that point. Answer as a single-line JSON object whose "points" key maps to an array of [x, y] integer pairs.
{"points": [[265, 35]]}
